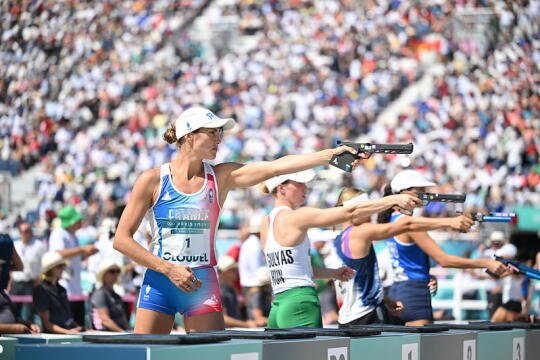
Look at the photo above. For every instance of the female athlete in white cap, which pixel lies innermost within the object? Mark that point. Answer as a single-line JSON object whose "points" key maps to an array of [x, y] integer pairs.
{"points": [[182, 200], [286, 246], [410, 253]]}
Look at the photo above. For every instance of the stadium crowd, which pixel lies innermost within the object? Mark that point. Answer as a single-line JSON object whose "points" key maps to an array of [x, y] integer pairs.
{"points": [[87, 89]]}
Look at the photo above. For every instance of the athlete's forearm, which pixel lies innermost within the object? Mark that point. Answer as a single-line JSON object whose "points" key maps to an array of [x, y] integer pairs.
{"points": [[426, 224], [324, 273], [133, 250], [257, 172], [451, 261], [361, 210], [293, 163]]}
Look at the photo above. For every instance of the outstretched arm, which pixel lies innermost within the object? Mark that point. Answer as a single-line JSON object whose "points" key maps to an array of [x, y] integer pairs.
{"points": [[307, 217], [235, 175], [413, 224], [430, 247], [293, 224]]}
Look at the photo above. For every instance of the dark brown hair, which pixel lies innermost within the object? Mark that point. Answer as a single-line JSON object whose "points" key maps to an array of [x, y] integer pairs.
{"points": [[384, 216]]}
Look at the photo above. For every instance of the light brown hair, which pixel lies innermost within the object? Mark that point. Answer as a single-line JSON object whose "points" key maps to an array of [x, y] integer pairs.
{"points": [[346, 194]]}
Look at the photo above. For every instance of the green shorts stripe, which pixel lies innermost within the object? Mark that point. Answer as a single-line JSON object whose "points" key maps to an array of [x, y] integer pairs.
{"points": [[296, 307]]}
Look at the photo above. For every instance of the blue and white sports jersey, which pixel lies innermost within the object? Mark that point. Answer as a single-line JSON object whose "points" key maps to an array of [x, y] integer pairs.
{"points": [[184, 225], [409, 262], [363, 293]]}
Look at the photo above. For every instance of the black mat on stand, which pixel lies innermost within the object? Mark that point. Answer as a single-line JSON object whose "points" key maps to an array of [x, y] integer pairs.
{"points": [[522, 325], [344, 332], [480, 325], [271, 335], [408, 329], [156, 339]]}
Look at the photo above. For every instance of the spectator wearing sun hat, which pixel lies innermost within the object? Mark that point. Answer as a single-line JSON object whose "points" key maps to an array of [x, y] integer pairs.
{"points": [[51, 299], [106, 306], [499, 245], [64, 241]]}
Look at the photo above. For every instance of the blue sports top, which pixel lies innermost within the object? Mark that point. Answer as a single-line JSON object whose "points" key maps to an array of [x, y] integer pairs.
{"points": [[363, 293], [184, 225], [409, 262]]}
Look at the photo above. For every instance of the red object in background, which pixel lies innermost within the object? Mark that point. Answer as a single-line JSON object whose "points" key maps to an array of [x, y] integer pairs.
{"points": [[234, 251], [515, 220]]}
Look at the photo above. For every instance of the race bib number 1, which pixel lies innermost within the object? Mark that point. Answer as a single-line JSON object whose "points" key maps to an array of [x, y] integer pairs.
{"points": [[187, 245]]}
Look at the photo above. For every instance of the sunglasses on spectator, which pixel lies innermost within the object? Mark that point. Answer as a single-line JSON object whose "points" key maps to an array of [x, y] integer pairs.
{"points": [[114, 271]]}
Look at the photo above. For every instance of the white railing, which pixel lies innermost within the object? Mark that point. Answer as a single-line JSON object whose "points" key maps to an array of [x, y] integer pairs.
{"points": [[457, 304], [457, 285]]}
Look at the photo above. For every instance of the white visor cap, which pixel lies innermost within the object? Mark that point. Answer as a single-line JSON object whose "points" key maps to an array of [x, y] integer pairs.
{"points": [[301, 177], [197, 117], [407, 179]]}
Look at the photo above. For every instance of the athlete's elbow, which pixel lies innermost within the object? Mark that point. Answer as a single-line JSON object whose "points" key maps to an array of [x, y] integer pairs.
{"points": [[119, 244], [443, 262], [356, 216], [408, 224]]}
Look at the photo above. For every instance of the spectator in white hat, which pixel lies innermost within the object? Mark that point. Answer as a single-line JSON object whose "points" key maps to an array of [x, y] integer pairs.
{"points": [[498, 245], [513, 304], [286, 246], [50, 298], [411, 251], [185, 197], [106, 306]]}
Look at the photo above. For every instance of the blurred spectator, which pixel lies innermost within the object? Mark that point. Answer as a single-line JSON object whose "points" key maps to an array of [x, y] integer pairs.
{"points": [[497, 245], [12, 261], [30, 249], [106, 306], [51, 299], [321, 71], [228, 274], [10, 323], [251, 256], [514, 301], [325, 288], [259, 297], [63, 241]]}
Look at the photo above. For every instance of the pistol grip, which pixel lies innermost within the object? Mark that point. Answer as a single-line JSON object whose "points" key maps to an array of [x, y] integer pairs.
{"points": [[343, 161]]}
